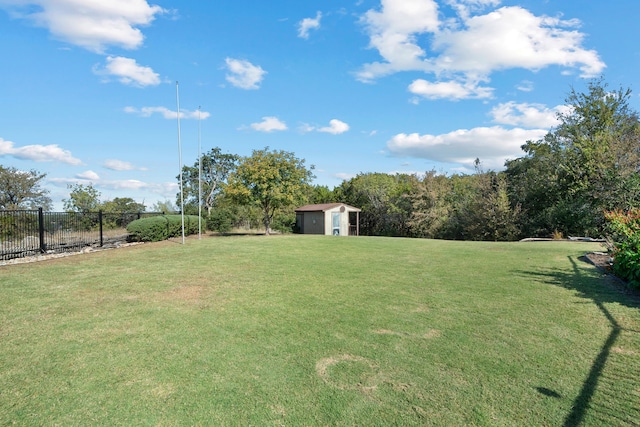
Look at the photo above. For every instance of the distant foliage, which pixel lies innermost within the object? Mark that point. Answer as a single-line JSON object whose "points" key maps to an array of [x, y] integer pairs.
{"points": [[586, 165], [162, 227], [624, 235], [22, 189]]}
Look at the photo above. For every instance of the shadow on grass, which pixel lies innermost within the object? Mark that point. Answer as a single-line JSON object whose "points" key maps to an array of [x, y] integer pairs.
{"points": [[599, 290]]}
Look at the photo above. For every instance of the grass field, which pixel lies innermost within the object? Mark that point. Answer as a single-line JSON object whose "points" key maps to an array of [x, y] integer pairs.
{"points": [[314, 330]]}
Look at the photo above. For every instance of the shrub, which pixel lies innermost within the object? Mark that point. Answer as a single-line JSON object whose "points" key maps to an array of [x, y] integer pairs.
{"points": [[284, 222], [624, 238], [161, 227], [220, 220]]}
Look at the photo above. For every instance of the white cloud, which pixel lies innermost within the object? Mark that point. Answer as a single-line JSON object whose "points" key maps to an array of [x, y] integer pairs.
{"points": [[492, 145], [308, 24], [335, 127], [129, 72], [449, 90], [38, 153], [91, 24], [513, 37], [527, 115], [88, 175], [465, 8], [344, 175], [243, 74], [269, 124], [525, 86], [393, 33], [306, 127], [167, 113], [119, 165], [166, 189], [467, 49]]}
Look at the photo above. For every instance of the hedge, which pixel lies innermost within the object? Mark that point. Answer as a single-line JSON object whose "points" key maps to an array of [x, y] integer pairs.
{"points": [[624, 239], [161, 227]]}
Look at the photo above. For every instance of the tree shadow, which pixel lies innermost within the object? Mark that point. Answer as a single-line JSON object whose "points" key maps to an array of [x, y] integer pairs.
{"points": [[600, 289]]}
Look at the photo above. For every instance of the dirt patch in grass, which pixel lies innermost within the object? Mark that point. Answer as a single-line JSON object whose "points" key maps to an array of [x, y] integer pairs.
{"points": [[432, 333], [188, 293], [348, 372], [600, 260], [621, 350]]}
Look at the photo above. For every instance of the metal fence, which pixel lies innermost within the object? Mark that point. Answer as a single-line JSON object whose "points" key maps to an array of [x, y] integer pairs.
{"points": [[31, 232]]}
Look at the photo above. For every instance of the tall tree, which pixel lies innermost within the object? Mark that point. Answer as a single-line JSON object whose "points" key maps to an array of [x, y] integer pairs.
{"points": [[216, 167], [22, 189], [488, 214], [271, 179], [431, 208], [588, 164], [82, 198]]}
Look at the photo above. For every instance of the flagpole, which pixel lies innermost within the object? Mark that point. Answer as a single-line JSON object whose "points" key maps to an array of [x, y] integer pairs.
{"points": [[180, 160], [199, 178]]}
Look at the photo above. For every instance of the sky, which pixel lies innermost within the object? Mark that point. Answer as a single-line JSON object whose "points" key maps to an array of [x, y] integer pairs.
{"points": [[90, 89]]}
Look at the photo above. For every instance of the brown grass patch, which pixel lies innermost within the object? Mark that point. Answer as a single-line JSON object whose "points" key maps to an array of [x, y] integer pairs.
{"points": [[432, 333], [621, 350], [187, 293], [421, 309], [365, 385]]}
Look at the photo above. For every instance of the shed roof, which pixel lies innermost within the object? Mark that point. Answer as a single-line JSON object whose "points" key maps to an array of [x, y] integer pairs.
{"points": [[323, 207]]}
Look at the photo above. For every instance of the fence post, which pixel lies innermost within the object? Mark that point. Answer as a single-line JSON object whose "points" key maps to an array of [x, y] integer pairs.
{"points": [[100, 221], [43, 245]]}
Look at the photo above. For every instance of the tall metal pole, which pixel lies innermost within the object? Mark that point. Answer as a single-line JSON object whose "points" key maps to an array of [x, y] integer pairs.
{"points": [[180, 159], [199, 178]]}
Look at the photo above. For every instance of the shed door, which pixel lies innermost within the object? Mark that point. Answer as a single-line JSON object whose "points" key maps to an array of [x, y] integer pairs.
{"points": [[335, 223]]}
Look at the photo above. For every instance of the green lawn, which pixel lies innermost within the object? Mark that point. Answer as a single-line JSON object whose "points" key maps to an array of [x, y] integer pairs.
{"points": [[314, 330]]}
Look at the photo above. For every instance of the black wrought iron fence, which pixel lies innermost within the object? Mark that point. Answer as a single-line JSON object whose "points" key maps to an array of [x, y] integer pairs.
{"points": [[30, 232]]}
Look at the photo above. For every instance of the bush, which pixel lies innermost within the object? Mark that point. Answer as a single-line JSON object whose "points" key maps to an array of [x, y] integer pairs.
{"points": [[284, 222], [624, 238], [220, 220], [161, 227]]}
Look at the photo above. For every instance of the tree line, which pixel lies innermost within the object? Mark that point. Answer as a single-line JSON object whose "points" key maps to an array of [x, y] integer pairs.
{"points": [[563, 185]]}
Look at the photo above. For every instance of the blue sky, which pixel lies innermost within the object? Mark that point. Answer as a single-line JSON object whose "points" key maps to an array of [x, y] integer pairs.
{"points": [[88, 87]]}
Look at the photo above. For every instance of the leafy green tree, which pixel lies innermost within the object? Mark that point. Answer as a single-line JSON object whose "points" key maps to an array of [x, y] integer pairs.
{"points": [[431, 208], [22, 189], [120, 211], [216, 167], [487, 214], [534, 184], [272, 180], [82, 198], [384, 199], [122, 205], [588, 164], [319, 194]]}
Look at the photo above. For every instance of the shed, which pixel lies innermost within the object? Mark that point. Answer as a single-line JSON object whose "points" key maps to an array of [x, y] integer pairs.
{"points": [[336, 219]]}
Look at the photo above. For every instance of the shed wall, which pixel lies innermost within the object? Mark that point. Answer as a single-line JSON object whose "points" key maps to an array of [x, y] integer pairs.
{"points": [[313, 223], [344, 221]]}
